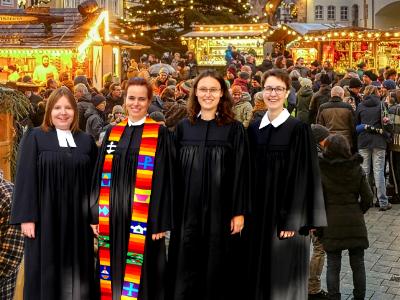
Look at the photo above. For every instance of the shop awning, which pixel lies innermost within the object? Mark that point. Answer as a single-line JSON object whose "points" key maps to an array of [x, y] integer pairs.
{"points": [[127, 44]]}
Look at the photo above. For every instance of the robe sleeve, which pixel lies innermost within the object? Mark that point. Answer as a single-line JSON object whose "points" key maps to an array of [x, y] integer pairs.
{"points": [[160, 213], [96, 179], [303, 205], [241, 178], [25, 204]]}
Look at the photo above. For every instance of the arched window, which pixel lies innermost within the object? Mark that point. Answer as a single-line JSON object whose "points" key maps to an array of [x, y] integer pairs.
{"points": [[331, 13], [319, 12]]}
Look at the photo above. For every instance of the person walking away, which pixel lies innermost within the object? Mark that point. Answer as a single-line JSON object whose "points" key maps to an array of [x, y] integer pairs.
{"points": [[344, 183], [304, 96]]}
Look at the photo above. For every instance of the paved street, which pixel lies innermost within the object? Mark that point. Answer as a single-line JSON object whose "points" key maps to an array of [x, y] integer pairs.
{"points": [[382, 259]]}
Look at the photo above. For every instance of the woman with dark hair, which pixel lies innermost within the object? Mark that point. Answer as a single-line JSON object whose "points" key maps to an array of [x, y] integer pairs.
{"points": [[213, 194], [347, 197], [51, 202], [280, 62], [288, 199], [130, 201]]}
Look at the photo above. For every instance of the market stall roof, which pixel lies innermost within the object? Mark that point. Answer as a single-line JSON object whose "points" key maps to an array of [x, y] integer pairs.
{"points": [[290, 31], [230, 30], [127, 44], [69, 33]]}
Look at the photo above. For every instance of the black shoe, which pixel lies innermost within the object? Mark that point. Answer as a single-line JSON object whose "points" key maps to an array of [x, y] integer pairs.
{"points": [[321, 295], [386, 207]]}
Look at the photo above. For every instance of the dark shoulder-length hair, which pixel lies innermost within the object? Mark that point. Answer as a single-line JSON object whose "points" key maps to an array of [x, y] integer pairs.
{"points": [[51, 102], [224, 109], [278, 73], [139, 81], [337, 146]]}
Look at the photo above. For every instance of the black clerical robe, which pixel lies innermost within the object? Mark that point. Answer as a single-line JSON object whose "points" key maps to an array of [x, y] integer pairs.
{"points": [[213, 186], [287, 197], [52, 189], [159, 219]]}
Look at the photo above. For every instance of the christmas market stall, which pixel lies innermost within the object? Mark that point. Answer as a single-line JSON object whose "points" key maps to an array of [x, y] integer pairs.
{"points": [[43, 42], [209, 42]]}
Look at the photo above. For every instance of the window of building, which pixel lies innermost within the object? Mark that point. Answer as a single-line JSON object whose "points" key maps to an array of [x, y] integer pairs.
{"points": [[331, 15], [115, 7], [344, 13], [319, 12], [7, 2]]}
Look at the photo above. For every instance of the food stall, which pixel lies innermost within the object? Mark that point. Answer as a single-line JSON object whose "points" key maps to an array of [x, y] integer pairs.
{"points": [[209, 42], [73, 40]]}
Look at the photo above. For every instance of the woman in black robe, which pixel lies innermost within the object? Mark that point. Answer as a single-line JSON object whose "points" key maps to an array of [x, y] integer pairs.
{"points": [[51, 202], [288, 199], [213, 195], [125, 160]]}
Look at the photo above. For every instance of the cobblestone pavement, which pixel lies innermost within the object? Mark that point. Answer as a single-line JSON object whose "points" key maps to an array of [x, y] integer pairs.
{"points": [[382, 259]]}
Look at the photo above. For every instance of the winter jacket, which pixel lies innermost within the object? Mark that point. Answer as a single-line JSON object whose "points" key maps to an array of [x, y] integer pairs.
{"points": [[320, 97], [243, 112], [84, 103], [174, 112], [304, 96], [257, 114], [369, 113], [343, 182], [338, 117], [296, 84], [95, 123], [111, 102]]}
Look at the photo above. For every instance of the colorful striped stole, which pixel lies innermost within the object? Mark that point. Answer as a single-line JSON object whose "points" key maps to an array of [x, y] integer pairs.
{"points": [[140, 210]]}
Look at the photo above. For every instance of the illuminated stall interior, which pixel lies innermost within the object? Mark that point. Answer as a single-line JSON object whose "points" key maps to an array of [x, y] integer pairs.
{"points": [[77, 40], [209, 42]]}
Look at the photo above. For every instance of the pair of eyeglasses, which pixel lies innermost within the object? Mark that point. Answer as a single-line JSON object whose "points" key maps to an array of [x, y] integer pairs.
{"points": [[212, 91], [279, 90]]}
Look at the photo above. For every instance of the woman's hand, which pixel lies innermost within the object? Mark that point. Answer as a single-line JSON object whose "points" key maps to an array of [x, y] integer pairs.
{"points": [[28, 229], [286, 234], [237, 224], [158, 236], [95, 228]]}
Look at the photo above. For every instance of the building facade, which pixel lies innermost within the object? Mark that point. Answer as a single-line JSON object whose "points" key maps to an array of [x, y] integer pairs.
{"points": [[115, 7], [382, 14], [8, 4]]}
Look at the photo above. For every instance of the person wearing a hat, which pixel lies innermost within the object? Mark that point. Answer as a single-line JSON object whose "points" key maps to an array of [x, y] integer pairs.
{"points": [[243, 81], [95, 123], [387, 86], [303, 100], [118, 114], [242, 108], [369, 77], [260, 108], [231, 74], [355, 87], [161, 79], [320, 97]]}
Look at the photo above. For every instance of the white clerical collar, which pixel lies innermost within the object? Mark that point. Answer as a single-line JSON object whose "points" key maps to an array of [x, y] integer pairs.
{"points": [[199, 114], [65, 138], [137, 123], [279, 120]]}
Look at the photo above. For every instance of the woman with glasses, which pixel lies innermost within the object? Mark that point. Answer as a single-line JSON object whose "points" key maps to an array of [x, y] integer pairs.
{"points": [[288, 199], [213, 194]]}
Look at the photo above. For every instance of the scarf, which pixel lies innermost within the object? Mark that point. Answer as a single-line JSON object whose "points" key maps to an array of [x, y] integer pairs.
{"points": [[140, 210]]}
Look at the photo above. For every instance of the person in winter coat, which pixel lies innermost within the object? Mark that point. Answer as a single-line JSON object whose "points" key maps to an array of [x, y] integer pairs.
{"points": [[243, 81], [344, 183], [394, 146], [84, 102], [322, 96], [304, 96], [338, 116], [372, 144], [114, 98], [95, 123], [241, 107], [295, 76]]}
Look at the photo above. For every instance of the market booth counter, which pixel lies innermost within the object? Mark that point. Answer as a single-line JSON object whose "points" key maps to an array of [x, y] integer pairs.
{"points": [[71, 39], [209, 42]]}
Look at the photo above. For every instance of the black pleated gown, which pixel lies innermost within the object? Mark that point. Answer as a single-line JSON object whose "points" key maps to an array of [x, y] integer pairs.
{"points": [[213, 187], [52, 189], [287, 197], [159, 220]]}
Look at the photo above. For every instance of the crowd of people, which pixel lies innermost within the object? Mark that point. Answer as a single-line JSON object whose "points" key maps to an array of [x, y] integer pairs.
{"points": [[203, 185]]}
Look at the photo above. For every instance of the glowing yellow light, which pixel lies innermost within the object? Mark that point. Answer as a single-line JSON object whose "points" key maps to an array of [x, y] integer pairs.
{"points": [[343, 33], [351, 34], [336, 34], [329, 35], [369, 35]]}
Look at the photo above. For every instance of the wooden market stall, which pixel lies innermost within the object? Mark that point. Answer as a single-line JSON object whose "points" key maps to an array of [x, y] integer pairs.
{"points": [[209, 42], [72, 39]]}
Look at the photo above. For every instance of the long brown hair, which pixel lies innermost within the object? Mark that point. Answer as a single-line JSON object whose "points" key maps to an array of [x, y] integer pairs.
{"points": [[224, 109], [51, 102]]}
